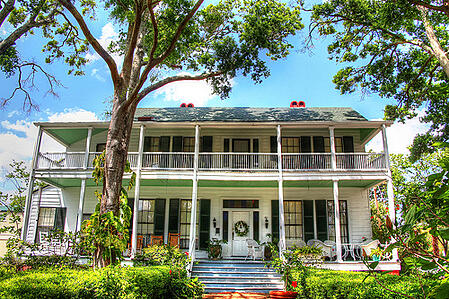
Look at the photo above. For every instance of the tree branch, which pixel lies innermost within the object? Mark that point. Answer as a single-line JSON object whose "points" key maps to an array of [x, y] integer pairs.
{"points": [[128, 60], [168, 80], [442, 8], [179, 30], [6, 10], [94, 42], [155, 29]]}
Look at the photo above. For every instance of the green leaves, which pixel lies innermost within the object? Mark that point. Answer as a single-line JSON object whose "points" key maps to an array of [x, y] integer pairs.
{"points": [[384, 49]]}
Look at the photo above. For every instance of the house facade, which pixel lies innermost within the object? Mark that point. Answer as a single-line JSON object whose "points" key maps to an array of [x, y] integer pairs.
{"points": [[281, 173]]}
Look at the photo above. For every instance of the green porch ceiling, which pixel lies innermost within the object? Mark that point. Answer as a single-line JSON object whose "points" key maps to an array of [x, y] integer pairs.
{"points": [[70, 136], [224, 184]]}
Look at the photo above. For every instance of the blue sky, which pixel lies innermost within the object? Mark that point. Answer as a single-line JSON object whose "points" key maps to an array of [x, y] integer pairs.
{"points": [[303, 76]]}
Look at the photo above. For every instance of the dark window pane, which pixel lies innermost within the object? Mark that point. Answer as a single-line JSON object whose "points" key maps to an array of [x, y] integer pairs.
{"points": [[275, 220], [256, 225], [227, 204], [173, 216], [177, 144], [308, 220], [204, 222], [321, 221]]}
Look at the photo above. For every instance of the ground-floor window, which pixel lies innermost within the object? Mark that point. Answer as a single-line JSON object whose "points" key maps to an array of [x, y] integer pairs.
{"points": [[185, 211], [151, 219], [50, 219], [343, 221], [293, 219]]}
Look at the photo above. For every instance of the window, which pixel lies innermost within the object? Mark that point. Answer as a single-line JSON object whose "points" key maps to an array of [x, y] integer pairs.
{"points": [[338, 144], [151, 144], [228, 204], [145, 220], [290, 144], [184, 225], [293, 219], [188, 145], [50, 219], [100, 147], [343, 221]]}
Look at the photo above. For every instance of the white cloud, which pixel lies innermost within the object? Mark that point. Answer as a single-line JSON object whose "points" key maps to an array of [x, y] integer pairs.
{"points": [[108, 35], [17, 139], [399, 136], [96, 75], [196, 92], [13, 113]]}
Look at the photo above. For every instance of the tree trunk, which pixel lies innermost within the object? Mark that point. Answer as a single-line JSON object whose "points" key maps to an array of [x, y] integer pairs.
{"points": [[115, 160], [438, 51]]}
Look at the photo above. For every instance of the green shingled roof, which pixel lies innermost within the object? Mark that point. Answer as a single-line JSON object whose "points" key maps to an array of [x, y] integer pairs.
{"points": [[244, 114]]}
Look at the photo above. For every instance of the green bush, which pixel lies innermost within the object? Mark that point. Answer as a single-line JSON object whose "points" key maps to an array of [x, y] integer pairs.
{"points": [[110, 282], [162, 255], [341, 284]]}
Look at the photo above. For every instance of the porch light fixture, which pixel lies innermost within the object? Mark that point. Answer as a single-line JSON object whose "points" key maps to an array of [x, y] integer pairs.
{"points": [[266, 222], [214, 222]]}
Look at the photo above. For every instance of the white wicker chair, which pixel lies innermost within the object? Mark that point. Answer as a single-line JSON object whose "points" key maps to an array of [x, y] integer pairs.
{"points": [[327, 249], [254, 249], [289, 243]]}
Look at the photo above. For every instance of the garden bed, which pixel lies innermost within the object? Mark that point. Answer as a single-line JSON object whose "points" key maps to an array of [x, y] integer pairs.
{"points": [[110, 282]]}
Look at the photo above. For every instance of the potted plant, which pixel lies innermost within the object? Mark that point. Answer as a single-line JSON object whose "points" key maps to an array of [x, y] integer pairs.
{"points": [[214, 249], [270, 247], [284, 266], [377, 254]]}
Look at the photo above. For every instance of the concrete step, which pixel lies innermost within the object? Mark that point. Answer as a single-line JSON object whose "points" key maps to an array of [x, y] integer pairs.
{"points": [[239, 276]]}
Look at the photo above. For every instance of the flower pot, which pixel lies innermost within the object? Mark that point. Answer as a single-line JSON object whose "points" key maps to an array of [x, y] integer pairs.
{"points": [[267, 253], [283, 294], [215, 251]]}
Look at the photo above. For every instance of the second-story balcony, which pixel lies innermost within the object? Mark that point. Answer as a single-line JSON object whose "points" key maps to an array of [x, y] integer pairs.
{"points": [[224, 161]]}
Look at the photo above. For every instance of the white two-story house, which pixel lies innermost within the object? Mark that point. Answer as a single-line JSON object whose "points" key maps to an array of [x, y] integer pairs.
{"points": [[288, 173]]}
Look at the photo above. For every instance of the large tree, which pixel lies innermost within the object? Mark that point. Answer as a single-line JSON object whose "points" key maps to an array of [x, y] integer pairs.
{"points": [[397, 49], [164, 41], [19, 18]]}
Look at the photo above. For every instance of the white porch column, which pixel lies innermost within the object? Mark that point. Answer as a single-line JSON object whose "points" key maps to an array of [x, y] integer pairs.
{"points": [[29, 197], [390, 190], [137, 192], [83, 181], [332, 144], [315, 229], [337, 221], [281, 194], [192, 236]]}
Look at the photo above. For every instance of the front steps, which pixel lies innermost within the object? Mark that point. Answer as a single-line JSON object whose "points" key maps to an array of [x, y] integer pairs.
{"points": [[236, 276]]}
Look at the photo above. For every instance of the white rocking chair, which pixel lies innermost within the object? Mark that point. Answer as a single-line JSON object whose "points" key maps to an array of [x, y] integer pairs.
{"points": [[254, 249]]}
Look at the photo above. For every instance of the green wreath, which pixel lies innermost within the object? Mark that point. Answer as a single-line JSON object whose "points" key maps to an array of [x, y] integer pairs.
{"points": [[241, 228]]}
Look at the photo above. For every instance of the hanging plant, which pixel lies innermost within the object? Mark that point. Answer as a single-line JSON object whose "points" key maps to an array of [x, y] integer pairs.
{"points": [[241, 228]]}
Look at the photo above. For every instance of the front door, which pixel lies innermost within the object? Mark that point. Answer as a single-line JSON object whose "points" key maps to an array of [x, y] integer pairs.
{"points": [[239, 247]]}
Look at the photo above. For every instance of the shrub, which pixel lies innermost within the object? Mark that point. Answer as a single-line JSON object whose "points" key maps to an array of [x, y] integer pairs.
{"points": [[341, 284], [162, 255], [109, 282]]}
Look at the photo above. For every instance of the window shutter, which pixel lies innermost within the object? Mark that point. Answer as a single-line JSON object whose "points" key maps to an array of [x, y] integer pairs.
{"points": [[318, 144], [321, 220], [273, 144], [204, 222], [308, 220], [60, 218], [348, 144], [206, 144], [226, 145], [225, 225], [274, 220], [255, 145], [159, 216], [173, 216], [305, 144], [164, 144], [146, 144], [177, 144]]}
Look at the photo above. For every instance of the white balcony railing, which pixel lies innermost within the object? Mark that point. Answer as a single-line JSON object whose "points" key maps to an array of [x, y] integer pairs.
{"points": [[225, 161]]}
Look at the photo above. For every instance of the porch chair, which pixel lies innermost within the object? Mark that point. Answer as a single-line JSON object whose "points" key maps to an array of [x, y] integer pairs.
{"points": [[326, 249], [254, 249], [173, 239], [368, 246], [157, 240], [333, 250], [289, 243]]}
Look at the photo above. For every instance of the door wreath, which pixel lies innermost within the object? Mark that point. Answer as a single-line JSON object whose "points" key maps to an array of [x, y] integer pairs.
{"points": [[241, 228]]}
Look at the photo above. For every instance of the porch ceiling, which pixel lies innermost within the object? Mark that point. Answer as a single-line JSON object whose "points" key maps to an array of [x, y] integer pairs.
{"points": [[74, 182], [69, 136]]}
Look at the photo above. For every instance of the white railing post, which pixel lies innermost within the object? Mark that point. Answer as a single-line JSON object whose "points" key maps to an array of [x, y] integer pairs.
{"points": [[137, 193], [332, 145], [192, 236], [390, 190], [281, 194], [29, 197], [337, 221]]}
